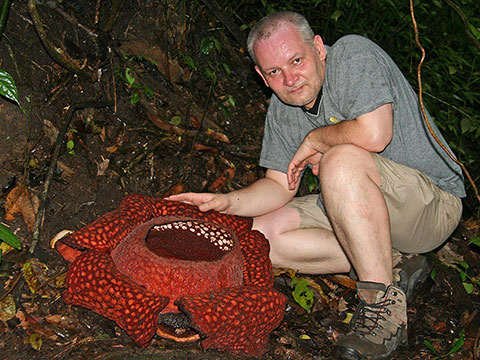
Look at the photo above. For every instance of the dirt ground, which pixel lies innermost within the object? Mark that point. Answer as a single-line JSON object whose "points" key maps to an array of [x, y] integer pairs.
{"points": [[172, 129]]}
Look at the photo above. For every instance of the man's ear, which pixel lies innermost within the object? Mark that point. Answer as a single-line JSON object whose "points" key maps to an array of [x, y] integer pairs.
{"points": [[320, 47], [259, 71]]}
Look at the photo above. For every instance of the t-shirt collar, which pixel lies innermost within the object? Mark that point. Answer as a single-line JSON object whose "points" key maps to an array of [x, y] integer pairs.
{"points": [[314, 109]]}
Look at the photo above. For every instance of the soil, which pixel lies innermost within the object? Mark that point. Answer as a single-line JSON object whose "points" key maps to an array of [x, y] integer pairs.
{"points": [[172, 129]]}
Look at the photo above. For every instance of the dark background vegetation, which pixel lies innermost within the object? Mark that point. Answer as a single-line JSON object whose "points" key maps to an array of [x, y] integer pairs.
{"points": [[159, 97]]}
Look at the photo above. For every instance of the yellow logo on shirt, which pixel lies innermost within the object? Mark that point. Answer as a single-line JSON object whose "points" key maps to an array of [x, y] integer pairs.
{"points": [[334, 120]]}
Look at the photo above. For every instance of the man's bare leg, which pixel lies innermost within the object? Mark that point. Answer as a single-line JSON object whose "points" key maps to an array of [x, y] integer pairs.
{"points": [[357, 211], [311, 251]]}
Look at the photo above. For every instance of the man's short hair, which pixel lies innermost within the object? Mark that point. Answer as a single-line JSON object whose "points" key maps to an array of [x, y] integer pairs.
{"points": [[270, 23]]}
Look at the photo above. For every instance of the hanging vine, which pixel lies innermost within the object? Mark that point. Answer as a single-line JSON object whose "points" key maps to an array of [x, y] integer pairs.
{"points": [[420, 97]]}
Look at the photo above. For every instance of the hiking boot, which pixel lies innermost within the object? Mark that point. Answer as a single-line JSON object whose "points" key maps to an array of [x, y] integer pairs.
{"points": [[410, 271], [379, 324]]}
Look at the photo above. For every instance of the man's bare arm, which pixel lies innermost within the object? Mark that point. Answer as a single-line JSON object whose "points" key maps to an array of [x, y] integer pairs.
{"points": [[261, 197], [372, 131]]}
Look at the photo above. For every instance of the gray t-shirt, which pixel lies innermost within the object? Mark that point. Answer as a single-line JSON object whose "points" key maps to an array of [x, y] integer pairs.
{"points": [[359, 78]]}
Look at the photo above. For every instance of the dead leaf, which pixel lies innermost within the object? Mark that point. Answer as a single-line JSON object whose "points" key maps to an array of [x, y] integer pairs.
{"points": [[102, 166], [472, 223], [312, 283], [113, 148], [217, 136], [7, 308], [103, 134], [35, 341], [50, 131], [21, 200], [222, 181], [33, 324], [174, 190], [67, 172], [11, 202], [281, 271], [35, 274], [165, 125], [201, 147], [440, 326], [194, 121], [344, 280], [211, 165], [5, 248], [60, 321]]}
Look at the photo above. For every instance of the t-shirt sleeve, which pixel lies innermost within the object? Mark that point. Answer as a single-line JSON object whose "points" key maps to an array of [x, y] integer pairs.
{"points": [[361, 85], [276, 153]]}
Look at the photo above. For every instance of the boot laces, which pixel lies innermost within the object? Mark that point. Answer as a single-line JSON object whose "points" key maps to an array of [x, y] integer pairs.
{"points": [[367, 317]]}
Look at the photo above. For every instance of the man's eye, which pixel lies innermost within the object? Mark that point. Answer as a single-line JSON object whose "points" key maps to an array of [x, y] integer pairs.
{"points": [[273, 72], [297, 61]]}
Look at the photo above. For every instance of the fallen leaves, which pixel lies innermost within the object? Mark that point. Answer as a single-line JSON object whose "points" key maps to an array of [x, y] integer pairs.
{"points": [[35, 273], [222, 181], [34, 325], [22, 201], [176, 130], [174, 190], [7, 308]]}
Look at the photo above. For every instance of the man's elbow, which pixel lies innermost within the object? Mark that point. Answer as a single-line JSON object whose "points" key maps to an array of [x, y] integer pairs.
{"points": [[379, 141]]}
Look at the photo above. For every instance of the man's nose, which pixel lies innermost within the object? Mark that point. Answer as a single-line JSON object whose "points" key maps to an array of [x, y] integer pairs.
{"points": [[289, 77]]}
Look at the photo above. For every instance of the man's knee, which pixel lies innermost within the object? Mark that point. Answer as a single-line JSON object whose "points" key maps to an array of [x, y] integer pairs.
{"points": [[277, 222], [345, 162]]}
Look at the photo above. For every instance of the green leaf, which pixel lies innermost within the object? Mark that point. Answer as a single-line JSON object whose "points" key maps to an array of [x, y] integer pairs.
{"points": [[129, 77], [206, 45], [302, 294], [134, 98], [231, 100], [451, 70], [176, 120], [475, 240], [474, 31], [312, 180], [218, 45], [8, 87], [188, 61], [9, 237], [148, 92], [430, 347], [466, 125], [468, 287], [226, 68], [458, 343], [336, 14]]}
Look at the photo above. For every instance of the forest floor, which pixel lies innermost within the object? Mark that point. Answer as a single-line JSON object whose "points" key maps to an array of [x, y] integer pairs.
{"points": [[170, 130]]}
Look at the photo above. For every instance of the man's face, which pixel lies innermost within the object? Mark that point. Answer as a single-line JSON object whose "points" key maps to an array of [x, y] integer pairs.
{"points": [[292, 69]]}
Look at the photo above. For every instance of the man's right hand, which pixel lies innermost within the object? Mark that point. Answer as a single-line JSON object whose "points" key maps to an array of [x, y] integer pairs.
{"points": [[204, 201]]}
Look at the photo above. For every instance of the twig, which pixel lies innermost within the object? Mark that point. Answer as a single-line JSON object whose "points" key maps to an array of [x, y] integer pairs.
{"points": [[12, 286], [226, 21], [51, 167], [4, 8], [420, 96], [58, 54], [75, 22], [116, 7], [466, 23]]}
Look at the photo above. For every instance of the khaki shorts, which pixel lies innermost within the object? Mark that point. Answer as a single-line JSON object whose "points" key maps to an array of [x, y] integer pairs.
{"points": [[422, 216]]}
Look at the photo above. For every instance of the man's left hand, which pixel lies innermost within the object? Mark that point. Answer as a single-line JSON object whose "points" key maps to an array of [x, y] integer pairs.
{"points": [[305, 155]]}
